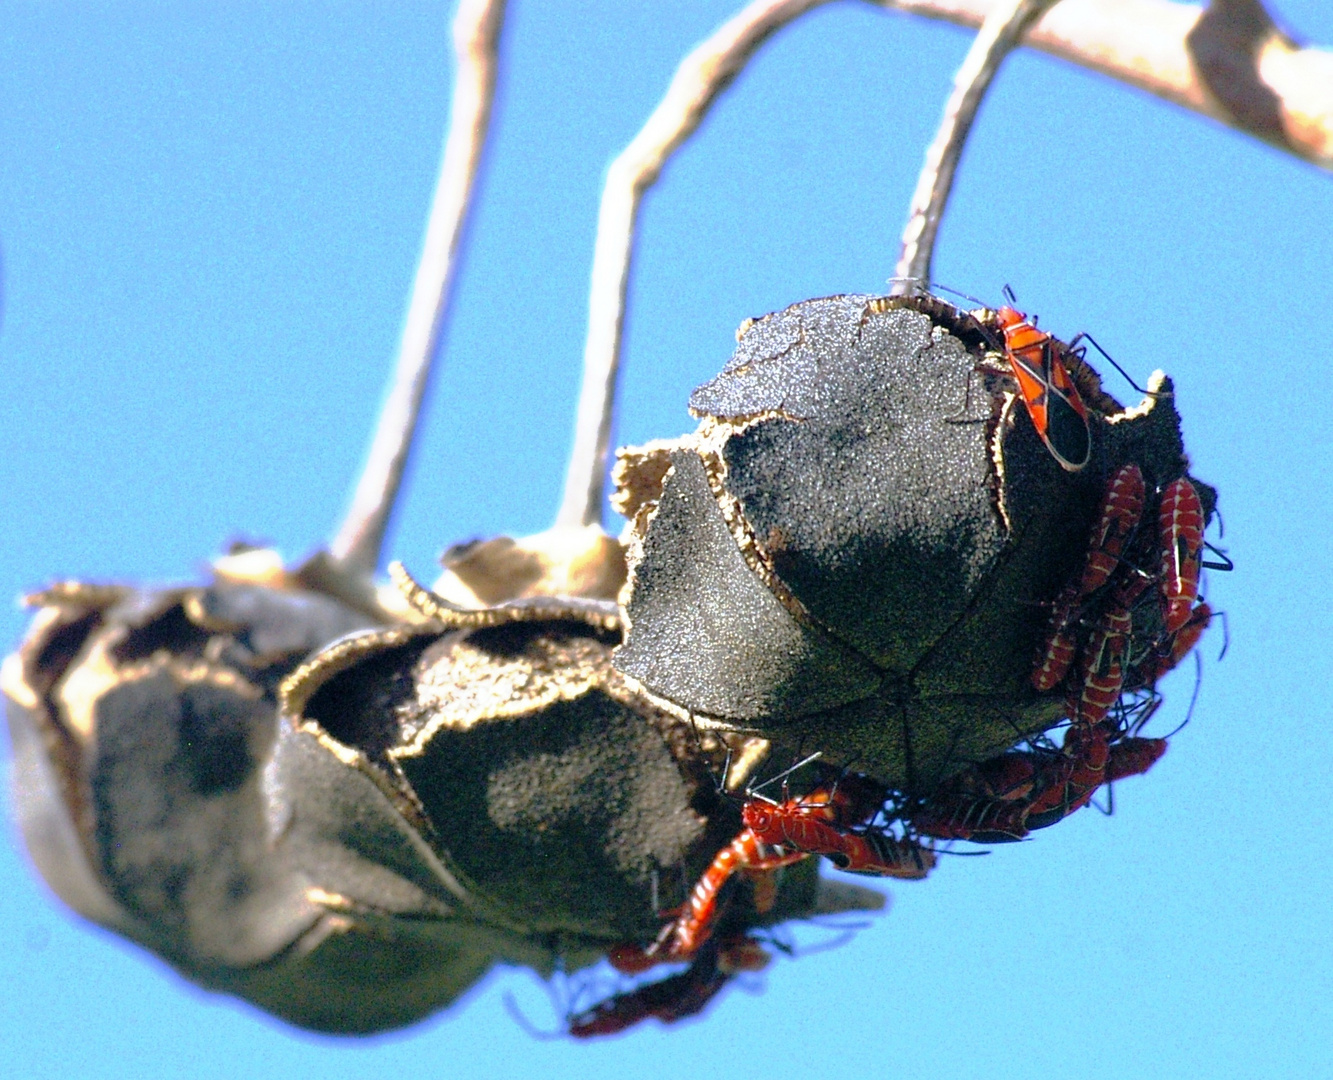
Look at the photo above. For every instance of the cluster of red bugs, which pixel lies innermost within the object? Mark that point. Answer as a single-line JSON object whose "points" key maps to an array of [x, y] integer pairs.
{"points": [[1131, 616], [1116, 630], [835, 820]]}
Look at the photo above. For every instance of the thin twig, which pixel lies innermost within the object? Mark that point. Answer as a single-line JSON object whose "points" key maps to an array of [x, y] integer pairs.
{"points": [[999, 35], [1226, 60], [701, 77], [355, 549]]}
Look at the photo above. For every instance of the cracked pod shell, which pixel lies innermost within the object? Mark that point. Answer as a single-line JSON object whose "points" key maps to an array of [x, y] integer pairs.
{"points": [[160, 797], [568, 808], [857, 549]]}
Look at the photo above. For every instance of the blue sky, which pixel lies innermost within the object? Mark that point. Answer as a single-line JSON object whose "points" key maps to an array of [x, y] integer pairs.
{"points": [[209, 220]]}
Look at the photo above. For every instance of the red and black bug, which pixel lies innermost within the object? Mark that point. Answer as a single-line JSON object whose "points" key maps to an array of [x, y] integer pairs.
{"points": [[1127, 570], [669, 1000], [1180, 528], [830, 821], [1048, 391], [1012, 794], [1130, 616], [1036, 361], [1121, 510]]}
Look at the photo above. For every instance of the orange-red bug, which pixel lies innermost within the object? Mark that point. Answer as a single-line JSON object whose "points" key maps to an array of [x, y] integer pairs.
{"points": [[1052, 400], [1181, 528], [814, 825], [668, 1000], [830, 821]]}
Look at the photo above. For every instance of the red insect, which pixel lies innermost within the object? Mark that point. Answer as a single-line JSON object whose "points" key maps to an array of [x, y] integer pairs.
{"points": [[1121, 510], [781, 834], [819, 824], [1014, 793], [1052, 400], [1106, 659], [1181, 644], [675, 998], [1129, 578], [1180, 524], [1114, 578], [681, 939]]}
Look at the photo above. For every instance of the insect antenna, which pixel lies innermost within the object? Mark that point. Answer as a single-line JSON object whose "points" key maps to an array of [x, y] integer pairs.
{"points": [[948, 849], [721, 786], [520, 1017], [698, 739], [1136, 717], [936, 286], [843, 935], [1073, 345], [1194, 697], [1226, 634]]}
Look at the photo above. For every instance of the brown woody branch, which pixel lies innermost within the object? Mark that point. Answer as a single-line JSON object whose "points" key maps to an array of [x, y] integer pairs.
{"points": [[701, 77], [1226, 60]]}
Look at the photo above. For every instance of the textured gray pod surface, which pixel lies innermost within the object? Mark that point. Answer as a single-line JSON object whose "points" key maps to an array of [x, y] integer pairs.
{"points": [[566, 807], [437, 803], [857, 549]]}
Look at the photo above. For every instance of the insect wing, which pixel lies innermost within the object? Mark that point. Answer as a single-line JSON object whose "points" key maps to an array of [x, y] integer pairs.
{"points": [[1067, 435], [1052, 400]]}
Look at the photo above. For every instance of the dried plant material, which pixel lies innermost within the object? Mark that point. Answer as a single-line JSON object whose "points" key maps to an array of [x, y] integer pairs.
{"points": [[867, 570], [355, 551], [700, 79], [999, 35], [1225, 59], [580, 561]]}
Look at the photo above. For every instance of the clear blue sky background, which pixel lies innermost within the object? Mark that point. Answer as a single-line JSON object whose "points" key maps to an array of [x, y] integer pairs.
{"points": [[209, 220]]}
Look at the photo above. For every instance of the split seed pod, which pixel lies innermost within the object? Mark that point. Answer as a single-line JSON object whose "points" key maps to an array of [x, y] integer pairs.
{"points": [[559, 806], [858, 547], [144, 721], [438, 801]]}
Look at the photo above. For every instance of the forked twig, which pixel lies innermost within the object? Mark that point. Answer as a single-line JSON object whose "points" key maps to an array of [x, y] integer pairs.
{"points": [[355, 550], [701, 77], [1225, 59], [999, 35]]}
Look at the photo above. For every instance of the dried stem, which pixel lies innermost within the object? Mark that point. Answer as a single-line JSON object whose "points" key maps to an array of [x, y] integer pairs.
{"points": [[1226, 60], [701, 77], [999, 35], [355, 550]]}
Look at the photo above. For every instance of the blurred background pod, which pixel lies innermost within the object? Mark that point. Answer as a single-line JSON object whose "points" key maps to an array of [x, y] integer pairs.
{"points": [[144, 724], [436, 803], [858, 548]]}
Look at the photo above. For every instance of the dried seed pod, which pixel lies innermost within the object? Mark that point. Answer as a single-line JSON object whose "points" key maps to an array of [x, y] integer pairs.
{"points": [[446, 801], [144, 726], [159, 797], [858, 548], [565, 805]]}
